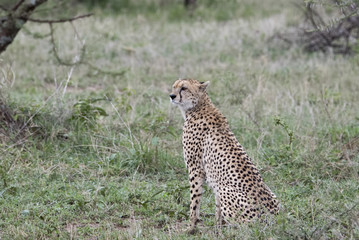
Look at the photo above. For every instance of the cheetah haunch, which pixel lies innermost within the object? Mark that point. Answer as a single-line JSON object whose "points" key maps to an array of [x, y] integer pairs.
{"points": [[213, 154]]}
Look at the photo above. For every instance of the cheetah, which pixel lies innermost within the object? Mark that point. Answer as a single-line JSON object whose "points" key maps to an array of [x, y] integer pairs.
{"points": [[212, 154]]}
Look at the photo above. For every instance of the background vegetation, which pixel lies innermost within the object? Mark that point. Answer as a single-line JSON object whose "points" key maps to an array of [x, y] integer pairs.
{"points": [[93, 150]]}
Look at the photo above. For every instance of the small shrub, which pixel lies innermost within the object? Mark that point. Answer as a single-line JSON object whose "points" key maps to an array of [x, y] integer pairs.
{"points": [[86, 114]]}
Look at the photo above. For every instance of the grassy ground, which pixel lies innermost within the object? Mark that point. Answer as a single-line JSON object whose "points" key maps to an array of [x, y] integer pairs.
{"points": [[101, 154]]}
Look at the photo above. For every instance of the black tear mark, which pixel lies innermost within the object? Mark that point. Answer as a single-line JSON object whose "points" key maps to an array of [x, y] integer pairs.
{"points": [[180, 94]]}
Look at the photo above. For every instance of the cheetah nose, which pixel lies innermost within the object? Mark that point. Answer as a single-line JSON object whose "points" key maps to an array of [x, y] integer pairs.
{"points": [[172, 96]]}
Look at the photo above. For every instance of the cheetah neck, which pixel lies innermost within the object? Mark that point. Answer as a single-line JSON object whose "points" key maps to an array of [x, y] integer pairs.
{"points": [[204, 105]]}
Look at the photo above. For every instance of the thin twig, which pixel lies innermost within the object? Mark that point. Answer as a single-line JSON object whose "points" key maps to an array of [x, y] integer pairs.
{"points": [[34, 35], [17, 5], [80, 58], [67, 81], [77, 33], [54, 49], [4, 8], [310, 15], [59, 20], [114, 73]]}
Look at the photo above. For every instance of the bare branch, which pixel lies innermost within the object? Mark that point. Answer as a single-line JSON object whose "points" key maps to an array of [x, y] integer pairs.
{"points": [[4, 8], [105, 71], [15, 20], [54, 49], [325, 31], [80, 58], [17, 5], [59, 20]]}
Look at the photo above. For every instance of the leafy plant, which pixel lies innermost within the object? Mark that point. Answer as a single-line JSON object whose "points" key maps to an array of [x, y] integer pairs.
{"points": [[123, 101], [280, 122], [86, 113]]}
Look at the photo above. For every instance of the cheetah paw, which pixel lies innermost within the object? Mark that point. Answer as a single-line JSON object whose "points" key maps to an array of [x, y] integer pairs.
{"points": [[192, 230]]}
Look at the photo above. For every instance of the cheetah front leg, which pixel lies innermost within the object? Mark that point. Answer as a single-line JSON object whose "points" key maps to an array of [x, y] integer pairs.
{"points": [[219, 217], [196, 181]]}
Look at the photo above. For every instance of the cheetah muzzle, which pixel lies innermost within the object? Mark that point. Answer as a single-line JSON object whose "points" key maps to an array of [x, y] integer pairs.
{"points": [[213, 154]]}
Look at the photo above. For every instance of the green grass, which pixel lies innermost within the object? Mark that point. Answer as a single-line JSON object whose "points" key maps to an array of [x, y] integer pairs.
{"points": [[102, 158]]}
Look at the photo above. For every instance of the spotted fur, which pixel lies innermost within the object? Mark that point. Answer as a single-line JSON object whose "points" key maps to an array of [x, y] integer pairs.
{"points": [[213, 155]]}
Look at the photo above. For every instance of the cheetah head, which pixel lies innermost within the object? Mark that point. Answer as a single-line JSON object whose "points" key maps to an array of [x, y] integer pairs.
{"points": [[186, 93]]}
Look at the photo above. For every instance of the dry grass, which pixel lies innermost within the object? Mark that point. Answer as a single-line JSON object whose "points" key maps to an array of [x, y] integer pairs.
{"points": [[122, 175]]}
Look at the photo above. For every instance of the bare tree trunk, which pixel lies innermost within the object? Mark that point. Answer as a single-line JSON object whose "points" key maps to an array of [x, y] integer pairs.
{"points": [[16, 17]]}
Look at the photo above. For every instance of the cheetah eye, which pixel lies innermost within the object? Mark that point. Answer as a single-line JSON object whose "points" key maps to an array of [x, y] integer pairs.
{"points": [[183, 88]]}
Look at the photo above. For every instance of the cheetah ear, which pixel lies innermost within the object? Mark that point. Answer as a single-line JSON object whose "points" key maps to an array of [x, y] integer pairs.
{"points": [[204, 85]]}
